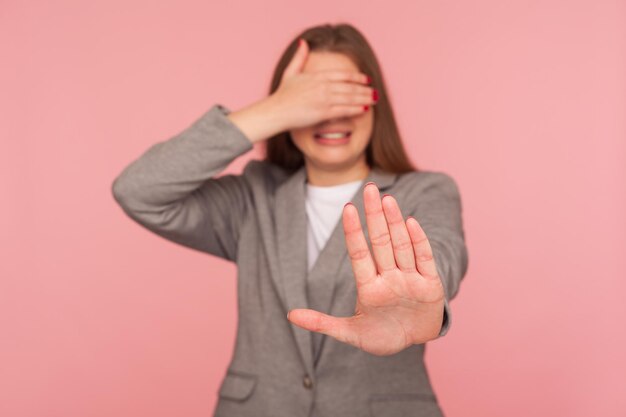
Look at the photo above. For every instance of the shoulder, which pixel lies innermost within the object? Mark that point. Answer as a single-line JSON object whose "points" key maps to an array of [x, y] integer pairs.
{"points": [[417, 191], [264, 174], [417, 183]]}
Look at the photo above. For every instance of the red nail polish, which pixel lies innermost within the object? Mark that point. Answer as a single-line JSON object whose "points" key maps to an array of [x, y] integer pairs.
{"points": [[375, 95], [365, 108], [369, 79]]}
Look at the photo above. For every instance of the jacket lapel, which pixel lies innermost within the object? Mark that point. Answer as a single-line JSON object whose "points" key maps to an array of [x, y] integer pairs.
{"points": [[291, 223], [291, 245]]}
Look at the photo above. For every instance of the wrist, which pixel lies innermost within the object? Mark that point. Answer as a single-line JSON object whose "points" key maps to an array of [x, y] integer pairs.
{"points": [[274, 114], [258, 121]]}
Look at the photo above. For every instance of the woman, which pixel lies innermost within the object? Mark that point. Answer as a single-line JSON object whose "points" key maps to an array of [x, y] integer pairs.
{"points": [[303, 258]]}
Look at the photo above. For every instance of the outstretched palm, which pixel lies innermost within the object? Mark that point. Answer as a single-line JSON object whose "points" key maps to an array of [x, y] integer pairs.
{"points": [[400, 296]]}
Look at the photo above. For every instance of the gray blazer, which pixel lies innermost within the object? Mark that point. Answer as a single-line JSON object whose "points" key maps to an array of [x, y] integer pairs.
{"points": [[258, 220]]}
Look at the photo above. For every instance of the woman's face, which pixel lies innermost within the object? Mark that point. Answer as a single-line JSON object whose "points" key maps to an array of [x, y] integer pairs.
{"points": [[334, 154]]}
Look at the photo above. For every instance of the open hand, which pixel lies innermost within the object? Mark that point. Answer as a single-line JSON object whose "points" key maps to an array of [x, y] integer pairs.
{"points": [[304, 97], [400, 297]]}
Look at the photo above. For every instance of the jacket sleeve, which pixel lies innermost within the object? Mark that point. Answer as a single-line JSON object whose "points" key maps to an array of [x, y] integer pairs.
{"points": [[439, 212], [171, 190]]}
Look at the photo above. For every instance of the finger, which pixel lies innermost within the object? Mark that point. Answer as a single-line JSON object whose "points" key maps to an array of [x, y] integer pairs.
{"points": [[352, 94], [339, 87], [349, 76], [378, 230], [338, 327], [360, 256], [424, 258], [400, 239], [339, 111], [352, 98], [298, 60]]}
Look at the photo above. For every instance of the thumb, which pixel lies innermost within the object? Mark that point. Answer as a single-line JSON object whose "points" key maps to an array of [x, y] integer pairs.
{"points": [[340, 328], [297, 61]]}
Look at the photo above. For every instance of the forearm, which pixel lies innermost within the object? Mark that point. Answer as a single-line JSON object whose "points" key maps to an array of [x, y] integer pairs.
{"points": [[170, 170]]}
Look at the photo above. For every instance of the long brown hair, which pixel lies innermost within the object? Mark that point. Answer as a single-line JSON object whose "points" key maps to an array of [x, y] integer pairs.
{"points": [[385, 149]]}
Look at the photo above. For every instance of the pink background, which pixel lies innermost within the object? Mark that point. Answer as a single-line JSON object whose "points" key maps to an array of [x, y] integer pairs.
{"points": [[524, 103]]}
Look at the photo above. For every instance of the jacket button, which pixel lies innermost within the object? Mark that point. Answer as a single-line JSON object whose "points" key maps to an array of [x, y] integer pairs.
{"points": [[307, 382]]}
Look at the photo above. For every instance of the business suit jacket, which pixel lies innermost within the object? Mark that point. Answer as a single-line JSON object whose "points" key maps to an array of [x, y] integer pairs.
{"points": [[258, 220]]}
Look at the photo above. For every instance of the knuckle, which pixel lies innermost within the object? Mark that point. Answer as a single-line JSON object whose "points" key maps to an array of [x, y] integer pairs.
{"points": [[424, 257], [421, 241], [402, 245], [407, 269], [381, 240], [359, 254], [316, 323]]}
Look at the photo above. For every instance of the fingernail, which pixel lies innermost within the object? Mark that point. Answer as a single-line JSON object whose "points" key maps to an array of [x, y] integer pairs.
{"points": [[345, 205], [375, 95], [365, 108], [288, 315], [369, 79], [371, 182], [386, 195]]}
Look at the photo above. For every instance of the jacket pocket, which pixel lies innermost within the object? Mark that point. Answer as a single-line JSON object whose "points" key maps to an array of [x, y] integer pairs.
{"points": [[404, 405], [237, 385]]}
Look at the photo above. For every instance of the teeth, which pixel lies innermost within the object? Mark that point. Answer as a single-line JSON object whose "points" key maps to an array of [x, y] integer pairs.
{"points": [[337, 135]]}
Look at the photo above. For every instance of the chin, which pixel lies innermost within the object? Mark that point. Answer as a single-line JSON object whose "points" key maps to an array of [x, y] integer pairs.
{"points": [[331, 164]]}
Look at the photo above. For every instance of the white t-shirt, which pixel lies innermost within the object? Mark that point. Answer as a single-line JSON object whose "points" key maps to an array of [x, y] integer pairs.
{"points": [[324, 206]]}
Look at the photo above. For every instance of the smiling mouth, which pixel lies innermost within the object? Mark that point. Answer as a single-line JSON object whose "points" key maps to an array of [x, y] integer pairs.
{"points": [[332, 138], [332, 135]]}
